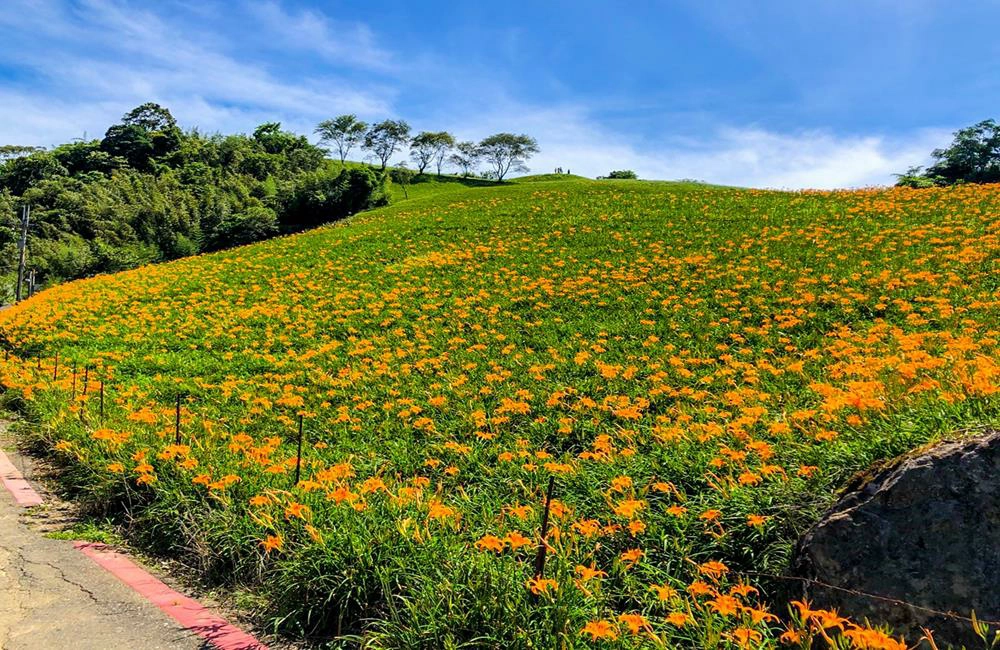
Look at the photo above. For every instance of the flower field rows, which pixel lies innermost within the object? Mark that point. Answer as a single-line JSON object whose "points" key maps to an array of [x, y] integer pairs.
{"points": [[698, 368]]}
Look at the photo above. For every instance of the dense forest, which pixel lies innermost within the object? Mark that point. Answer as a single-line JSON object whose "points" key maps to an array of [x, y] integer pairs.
{"points": [[149, 191]]}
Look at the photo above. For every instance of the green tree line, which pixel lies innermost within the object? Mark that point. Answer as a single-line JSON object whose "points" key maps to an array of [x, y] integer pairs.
{"points": [[973, 157], [500, 153], [148, 191]]}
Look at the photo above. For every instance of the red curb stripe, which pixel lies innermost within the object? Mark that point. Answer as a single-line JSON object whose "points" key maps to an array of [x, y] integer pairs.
{"points": [[20, 489], [186, 611]]}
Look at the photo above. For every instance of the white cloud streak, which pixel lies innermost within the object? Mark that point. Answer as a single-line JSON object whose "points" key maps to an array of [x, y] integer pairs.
{"points": [[143, 57], [732, 155], [340, 43]]}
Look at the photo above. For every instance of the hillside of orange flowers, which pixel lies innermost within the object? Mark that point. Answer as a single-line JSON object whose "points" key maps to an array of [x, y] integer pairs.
{"points": [[696, 370]]}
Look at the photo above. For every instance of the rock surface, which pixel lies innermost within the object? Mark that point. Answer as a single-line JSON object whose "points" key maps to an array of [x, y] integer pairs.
{"points": [[924, 530]]}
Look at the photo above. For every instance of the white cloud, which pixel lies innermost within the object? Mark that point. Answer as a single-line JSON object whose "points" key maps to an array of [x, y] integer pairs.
{"points": [[107, 58], [45, 121], [732, 155], [337, 42]]}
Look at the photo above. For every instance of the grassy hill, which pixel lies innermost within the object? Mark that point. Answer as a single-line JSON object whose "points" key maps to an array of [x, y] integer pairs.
{"points": [[697, 368], [539, 178], [433, 185]]}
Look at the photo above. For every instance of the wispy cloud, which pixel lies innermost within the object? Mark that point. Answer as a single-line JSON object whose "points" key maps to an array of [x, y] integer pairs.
{"points": [[106, 57], [340, 43], [732, 155]]}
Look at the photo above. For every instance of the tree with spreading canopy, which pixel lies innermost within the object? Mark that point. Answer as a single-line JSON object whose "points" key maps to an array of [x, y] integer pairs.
{"points": [[430, 146], [384, 138], [150, 117], [145, 133], [506, 152], [445, 143], [973, 157], [344, 131], [466, 157]]}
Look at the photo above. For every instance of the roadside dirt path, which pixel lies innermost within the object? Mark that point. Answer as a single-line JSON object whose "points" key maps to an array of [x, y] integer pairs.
{"points": [[52, 596]]}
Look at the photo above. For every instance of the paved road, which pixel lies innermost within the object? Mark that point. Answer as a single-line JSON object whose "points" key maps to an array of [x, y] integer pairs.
{"points": [[53, 597]]}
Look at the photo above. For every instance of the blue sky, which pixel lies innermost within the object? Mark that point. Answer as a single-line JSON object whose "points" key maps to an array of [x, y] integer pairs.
{"points": [[769, 94]]}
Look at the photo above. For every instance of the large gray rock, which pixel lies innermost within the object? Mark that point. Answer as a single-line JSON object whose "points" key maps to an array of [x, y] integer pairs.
{"points": [[925, 529]]}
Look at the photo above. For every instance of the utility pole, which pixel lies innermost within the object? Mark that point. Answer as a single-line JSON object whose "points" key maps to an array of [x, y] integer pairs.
{"points": [[22, 250]]}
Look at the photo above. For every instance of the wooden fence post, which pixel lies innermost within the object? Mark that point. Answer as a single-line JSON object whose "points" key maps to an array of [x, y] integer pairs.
{"points": [[298, 456], [542, 547], [177, 421]]}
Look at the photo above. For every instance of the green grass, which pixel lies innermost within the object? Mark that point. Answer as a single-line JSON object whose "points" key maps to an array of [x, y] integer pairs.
{"points": [[429, 185], [99, 531], [698, 368], [432, 185], [544, 178]]}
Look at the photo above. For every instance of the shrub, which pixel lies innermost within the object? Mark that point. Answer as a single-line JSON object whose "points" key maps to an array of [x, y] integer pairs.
{"points": [[253, 224], [321, 197], [623, 174], [915, 177]]}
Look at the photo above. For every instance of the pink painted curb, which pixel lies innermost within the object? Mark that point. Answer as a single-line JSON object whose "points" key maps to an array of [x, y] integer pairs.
{"points": [[186, 611], [20, 489]]}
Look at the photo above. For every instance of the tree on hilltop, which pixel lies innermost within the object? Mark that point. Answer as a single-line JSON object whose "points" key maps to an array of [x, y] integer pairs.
{"points": [[384, 138], [466, 157], [505, 152], [344, 131], [973, 157], [430, 146], [150, 117], [145, 133], [445, 143]]}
